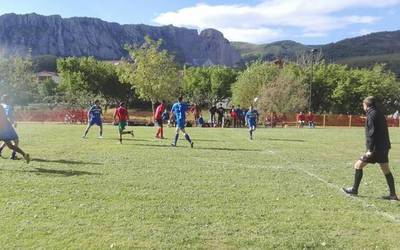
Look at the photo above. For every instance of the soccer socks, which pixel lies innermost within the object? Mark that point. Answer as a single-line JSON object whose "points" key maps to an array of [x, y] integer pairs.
{"points": [[176, 139], [390, 182], [357, 179], [162, 132], [187, 137], [251, 134], [13, 155]]}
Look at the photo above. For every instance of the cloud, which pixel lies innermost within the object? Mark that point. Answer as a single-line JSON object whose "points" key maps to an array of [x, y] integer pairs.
{"points": [[268, 20]]}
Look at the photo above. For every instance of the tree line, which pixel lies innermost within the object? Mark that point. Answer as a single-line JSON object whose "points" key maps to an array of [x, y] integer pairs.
{"points": [[151, 74]]}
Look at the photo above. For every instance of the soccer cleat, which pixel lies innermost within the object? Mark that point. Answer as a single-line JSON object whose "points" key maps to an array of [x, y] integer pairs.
{"points": [[13, 157], [191, 144], [101, 137], [350, 191], [132, 134], [390, 197], [173, 145], [27, 158], [84, 137]]}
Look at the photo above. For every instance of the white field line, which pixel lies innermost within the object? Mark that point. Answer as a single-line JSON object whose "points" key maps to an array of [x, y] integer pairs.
{"points": [[372, 207]]}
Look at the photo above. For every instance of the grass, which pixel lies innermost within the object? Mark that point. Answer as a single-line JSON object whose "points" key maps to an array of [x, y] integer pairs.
{"points": [[281, 190]]}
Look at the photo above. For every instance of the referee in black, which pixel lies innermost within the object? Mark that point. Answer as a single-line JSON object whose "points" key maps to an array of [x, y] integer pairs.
{"points": [[378, 145]]}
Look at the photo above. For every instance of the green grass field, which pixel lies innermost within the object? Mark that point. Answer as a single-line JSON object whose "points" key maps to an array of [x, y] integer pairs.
{"points": [[281, 190]]}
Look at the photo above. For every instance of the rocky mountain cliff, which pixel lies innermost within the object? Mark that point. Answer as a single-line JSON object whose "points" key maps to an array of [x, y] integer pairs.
{"points": [[82, 36]]}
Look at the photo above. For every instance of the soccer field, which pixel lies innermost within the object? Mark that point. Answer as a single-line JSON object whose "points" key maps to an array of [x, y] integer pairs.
{"points": [[281, 190]]}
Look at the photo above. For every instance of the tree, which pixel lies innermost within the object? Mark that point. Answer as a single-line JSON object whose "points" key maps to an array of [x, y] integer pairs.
{"points": [[286, 93], [17, 79], [155, 74], [87, 76], [251, 80], [207, 85]]}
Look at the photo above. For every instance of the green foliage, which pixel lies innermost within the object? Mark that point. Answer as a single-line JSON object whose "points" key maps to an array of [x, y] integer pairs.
{"points": [[286, 93], [207, 85], [250, 82], [154, 74], [17, 79], [45, 63], [88, 77]]}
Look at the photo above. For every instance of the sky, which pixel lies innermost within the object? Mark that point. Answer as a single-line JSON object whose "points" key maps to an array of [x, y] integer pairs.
{"points": [[255, 21]]}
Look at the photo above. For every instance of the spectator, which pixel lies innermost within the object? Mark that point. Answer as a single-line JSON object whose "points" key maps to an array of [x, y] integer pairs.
{"points": [[220, 113], [201, 121], [195, 109], [213, 110], [240, 116], [234, 117], [311, 120], [301, 119]]}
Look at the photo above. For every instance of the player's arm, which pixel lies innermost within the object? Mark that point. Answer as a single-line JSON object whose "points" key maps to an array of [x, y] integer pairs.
{"points": [[370, 134], [89, 113]]}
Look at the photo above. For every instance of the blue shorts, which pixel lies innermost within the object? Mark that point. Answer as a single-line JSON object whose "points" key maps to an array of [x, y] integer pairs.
{"points": [[95, 122], [8, 133], [252, 125], [180, 124]]}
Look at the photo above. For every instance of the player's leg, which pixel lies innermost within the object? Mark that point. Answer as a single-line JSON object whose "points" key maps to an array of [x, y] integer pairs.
{"points": [[358, 174], [18, 150], [87, 130], [14, 153], [187, 137], [2, 146], [390, 181], [101, 129], [161, 129], [176, 135]]}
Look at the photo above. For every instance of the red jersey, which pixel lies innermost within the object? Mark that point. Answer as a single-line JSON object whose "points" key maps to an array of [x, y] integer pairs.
{"points": [[310, 117], [234, 114], [160, 109], [301, 117], [122, 114]]}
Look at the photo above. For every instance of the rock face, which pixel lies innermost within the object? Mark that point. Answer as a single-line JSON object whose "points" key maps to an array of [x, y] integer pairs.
{"points": [[82, 36]]}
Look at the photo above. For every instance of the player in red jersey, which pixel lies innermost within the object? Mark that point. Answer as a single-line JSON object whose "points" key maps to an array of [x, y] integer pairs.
{"points": [[158, 121], [301, 120], [121, 116], [310, 119]]}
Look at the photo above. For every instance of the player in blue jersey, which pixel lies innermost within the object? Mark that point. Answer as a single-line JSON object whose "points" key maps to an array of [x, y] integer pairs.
{"points": [[95, 117], [9, 136], [9, 112], [251, 120], [179, 109]]}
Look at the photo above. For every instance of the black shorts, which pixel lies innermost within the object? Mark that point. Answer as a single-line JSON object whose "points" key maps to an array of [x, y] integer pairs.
{"points": [[376, 157], [159, 123]]}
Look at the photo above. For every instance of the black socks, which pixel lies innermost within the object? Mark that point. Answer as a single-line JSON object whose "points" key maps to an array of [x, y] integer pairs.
{"points": [[390, 182], [357, 179]]}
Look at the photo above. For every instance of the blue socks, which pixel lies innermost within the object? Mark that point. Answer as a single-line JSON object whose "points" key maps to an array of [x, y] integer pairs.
{"points": [[187, 137]]}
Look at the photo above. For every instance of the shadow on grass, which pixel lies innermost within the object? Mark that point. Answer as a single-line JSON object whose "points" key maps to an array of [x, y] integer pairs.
{"points": [[65, 173], [288, 140], [186, 145], [65, 162]]}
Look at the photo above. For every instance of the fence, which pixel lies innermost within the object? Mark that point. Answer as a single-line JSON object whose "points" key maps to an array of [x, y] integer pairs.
{"points": [[144, 117]]}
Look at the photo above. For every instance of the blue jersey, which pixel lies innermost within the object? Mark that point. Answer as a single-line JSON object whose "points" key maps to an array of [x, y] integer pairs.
{"points": [[251, 117], [180, 109], [9, 111], [95, 113]]}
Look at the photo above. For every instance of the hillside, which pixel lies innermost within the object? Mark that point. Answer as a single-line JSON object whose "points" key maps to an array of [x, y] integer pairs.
{"points": [[83, 36]]}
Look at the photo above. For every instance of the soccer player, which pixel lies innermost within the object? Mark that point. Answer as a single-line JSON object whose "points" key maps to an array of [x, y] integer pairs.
{"points": [[378, 145], [234, 116], [179, 109], [221, 113], [9, 136], [122, 117], [9, 112], [158, 120], [251, 120], [95, 117]]}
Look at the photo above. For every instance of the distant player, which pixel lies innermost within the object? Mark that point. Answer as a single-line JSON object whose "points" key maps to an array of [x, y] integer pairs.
{"points": [[9, 136], [9, 111], [95, 117], [301, 119], [179, 109], [158, 120], [121, 117], [251, 120], [310, 119]]}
